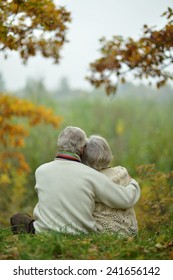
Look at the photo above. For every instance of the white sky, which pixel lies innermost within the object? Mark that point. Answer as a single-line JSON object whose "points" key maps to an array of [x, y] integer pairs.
{"points": [[91, 20]]}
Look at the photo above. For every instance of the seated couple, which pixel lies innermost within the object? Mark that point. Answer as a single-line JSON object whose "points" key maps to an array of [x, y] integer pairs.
{"points": [[79, 193]]}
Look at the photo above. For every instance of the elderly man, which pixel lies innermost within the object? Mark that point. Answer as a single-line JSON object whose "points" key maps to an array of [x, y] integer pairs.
{"points": [[67, 191]]}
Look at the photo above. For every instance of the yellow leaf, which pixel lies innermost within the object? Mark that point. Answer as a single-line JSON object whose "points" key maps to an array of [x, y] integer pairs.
{"points": [[4, 179]]}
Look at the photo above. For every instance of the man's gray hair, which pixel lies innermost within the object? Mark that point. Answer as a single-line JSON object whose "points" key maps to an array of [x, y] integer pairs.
{"points": [[97, 153], [72, 139]]}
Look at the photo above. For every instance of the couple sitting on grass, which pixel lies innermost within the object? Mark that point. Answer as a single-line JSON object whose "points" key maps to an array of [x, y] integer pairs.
{"points": [[79, 193]]}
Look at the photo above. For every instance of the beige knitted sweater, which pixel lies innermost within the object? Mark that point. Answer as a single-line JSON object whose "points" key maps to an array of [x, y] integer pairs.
{"points": [[111, 219]]}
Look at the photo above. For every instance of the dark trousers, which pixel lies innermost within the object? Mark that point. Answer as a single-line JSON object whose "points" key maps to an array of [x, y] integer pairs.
{"points": [[22, 223]]}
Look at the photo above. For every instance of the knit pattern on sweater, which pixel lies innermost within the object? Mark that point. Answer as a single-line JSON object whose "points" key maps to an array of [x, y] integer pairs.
{"points": [[111, 219]]}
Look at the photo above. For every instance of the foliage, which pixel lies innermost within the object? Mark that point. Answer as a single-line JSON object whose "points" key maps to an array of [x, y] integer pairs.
{"points": [[13, 131], [155, 207], [53, 246], [148, 57], [30, 26]]}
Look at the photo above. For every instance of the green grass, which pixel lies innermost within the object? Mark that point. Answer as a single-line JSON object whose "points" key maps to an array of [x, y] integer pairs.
{"points": [[56, 246]]}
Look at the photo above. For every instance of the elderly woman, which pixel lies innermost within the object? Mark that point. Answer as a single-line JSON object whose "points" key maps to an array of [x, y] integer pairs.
{"points": [[67, 190], [97, 154]]}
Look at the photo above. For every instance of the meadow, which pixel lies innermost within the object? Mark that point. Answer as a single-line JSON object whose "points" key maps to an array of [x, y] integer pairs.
{"points": [[139, 131]]}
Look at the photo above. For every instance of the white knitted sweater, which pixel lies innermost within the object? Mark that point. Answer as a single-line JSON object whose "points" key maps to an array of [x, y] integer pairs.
{"points": [[111, 219]]}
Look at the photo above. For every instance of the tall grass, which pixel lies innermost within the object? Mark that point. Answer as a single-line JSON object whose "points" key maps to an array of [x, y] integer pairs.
{"points": [[139, 131]]}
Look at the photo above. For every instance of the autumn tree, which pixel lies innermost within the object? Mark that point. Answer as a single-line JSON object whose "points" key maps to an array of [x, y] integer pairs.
{"points": [[149, 57], [27, 27], [31, 26], [13, 131]]}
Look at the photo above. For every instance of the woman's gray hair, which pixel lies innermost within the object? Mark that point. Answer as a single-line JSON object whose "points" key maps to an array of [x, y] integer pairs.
{"points": [[72, 139], [97, 153]]}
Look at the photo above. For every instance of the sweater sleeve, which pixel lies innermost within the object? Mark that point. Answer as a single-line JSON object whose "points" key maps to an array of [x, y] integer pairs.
{"points": [[117, 196]]}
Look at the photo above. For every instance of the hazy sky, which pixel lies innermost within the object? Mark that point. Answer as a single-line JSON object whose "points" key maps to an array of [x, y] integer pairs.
{"points": [[91, 20]]}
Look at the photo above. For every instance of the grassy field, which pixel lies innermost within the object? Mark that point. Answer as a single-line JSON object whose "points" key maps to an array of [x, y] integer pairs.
{"points": [[53, 246]]}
